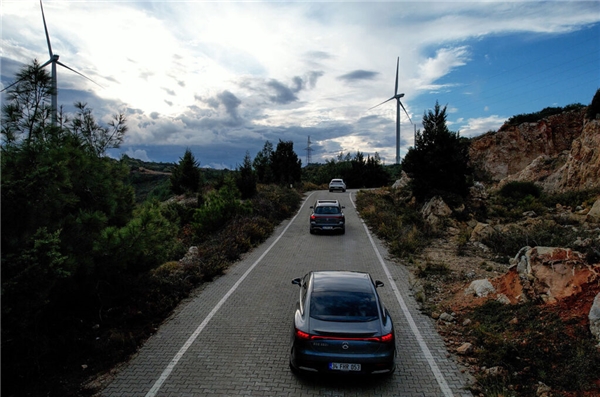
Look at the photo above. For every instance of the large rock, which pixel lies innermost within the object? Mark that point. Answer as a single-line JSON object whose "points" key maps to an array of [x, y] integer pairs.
{"points": [[594, 317], [481, 231], [480, 288], [548, 274], [582, 168], [593, 216], [435, 211], [402, 182]]}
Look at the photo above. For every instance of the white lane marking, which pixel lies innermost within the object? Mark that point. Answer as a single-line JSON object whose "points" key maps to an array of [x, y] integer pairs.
{"points": [[167, 371], [413, 326]]}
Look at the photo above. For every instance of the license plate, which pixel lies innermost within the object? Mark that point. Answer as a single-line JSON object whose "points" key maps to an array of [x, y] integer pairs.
{"points": [[344, 367], [327, 227]]}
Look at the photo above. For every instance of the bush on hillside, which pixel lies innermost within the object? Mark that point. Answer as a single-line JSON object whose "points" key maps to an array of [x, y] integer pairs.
{"points": [[593, 110]]}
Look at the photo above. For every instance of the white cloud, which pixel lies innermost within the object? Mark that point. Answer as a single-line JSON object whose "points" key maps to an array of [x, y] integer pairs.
{"points": [[208, 73], [137, 154], [433, 68], [478, 126]]}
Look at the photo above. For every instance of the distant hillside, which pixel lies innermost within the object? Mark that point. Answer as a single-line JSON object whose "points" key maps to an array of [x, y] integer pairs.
{"points": [[151, 180]]}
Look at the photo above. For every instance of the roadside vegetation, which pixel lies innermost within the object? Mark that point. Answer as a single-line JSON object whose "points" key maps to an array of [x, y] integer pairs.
{"points": [[96, 251], [542, 114], [516, 346]]}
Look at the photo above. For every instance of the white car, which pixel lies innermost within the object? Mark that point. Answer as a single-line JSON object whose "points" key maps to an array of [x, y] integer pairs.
{"points": [[337, 184]]}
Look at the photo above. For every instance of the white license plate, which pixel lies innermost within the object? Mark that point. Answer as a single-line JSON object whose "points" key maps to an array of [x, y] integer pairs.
{"points": [[344, 367], [327, 227]]}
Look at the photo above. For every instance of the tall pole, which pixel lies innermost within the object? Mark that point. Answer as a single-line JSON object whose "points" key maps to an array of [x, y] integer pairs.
{"points": [[398, 131], [54, 92]]}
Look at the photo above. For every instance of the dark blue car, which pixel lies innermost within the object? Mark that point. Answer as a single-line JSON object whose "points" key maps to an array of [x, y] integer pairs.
{"points": [[341, 326]]}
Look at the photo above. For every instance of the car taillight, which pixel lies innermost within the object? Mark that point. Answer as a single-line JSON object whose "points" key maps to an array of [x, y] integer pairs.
{"points": [[312, 217], [302, 335], [387, 338], [384, 339]]}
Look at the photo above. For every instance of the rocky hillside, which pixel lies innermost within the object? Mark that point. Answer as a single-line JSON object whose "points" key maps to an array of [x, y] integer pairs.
{"points": [[545, 295], [560, 153]]}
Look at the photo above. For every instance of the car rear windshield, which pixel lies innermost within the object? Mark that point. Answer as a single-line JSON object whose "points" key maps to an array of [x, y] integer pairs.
{"points": [[327, 210], [343, 306]]}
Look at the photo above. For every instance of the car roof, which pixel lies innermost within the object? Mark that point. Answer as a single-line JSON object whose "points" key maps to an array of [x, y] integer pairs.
{"points": [[339, 280], [327, 202]]}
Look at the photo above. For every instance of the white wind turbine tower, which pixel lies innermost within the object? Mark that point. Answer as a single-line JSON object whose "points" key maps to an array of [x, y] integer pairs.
{"points": [[398, 105], [54, 61]]}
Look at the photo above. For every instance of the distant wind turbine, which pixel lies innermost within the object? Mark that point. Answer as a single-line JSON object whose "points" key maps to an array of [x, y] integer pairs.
{"points": [[398, 105], [54, 61]]}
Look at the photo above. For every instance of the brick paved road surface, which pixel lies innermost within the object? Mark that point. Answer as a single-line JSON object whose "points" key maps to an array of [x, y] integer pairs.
{"points": [[232, 338]]}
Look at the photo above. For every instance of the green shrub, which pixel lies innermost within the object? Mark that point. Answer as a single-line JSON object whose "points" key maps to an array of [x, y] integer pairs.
{"points": [[594, 109], [520, 190], [546, 234], [219, 207], [572, 198], [535, 347], [433, 269], [401, 226], [544, 113]]}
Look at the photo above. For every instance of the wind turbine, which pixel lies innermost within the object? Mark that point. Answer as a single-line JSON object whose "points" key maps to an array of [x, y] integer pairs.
{"points": [[54, 61], [398, 105]]}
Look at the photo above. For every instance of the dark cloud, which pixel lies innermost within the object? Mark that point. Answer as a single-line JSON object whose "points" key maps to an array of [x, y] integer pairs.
{"points": [[313, 77], [283, 94], [231, 103], [358, 75]]}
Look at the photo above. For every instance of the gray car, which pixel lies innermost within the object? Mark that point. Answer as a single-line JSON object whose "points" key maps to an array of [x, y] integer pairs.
{"points": [[327, 216], [341, 326]]}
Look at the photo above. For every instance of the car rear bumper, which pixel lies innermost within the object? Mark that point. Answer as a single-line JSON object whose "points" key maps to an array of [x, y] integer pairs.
{"points": [[371, 364], [327, 228]]}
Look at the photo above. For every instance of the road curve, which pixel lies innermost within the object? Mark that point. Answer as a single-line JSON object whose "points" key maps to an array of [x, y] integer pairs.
{"points": [[232, 337]]}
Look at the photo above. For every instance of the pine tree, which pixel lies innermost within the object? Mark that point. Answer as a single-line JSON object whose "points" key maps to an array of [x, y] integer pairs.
{"points": [[438, 164], [246, 178], [286, 166], [186, 176]]}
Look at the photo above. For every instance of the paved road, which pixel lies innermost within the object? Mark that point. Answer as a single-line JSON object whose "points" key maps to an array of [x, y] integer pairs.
{"points": [[232, 338]]}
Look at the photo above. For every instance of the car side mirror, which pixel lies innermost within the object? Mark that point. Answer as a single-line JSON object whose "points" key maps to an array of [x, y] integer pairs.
{"points": [[310, 206], [343, 206], [378, 284], [297, 281]]}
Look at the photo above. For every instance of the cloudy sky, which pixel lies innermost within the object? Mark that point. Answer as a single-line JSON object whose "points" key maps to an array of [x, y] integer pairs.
{"points": [[222, 78]]}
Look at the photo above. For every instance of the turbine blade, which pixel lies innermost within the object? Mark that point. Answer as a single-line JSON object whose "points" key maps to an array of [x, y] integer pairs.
{"points": [[46, 29], [10, 85], [405, 111], [46, 64], [397, 65], [382, 103], [81, 74]]}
